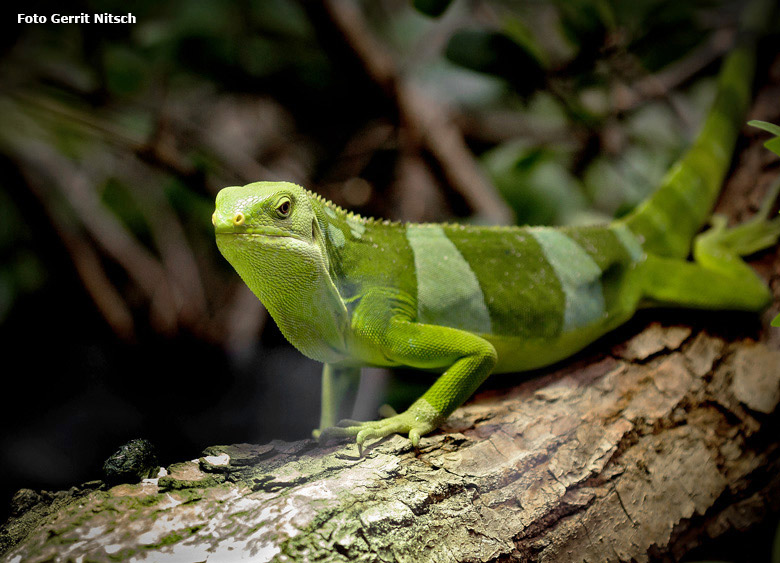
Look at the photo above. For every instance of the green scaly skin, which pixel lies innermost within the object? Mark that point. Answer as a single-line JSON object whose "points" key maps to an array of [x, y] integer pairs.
{"points": [[468, 301]]}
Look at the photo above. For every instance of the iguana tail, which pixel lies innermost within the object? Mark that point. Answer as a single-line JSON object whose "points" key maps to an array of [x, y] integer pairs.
{"points": [[671, 217]]}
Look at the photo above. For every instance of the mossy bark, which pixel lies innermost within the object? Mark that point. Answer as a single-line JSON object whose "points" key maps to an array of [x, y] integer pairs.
{"points": [[643, 452]]}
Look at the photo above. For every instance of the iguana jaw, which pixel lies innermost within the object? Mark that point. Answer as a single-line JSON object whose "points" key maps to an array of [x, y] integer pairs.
{"points": [[289, 277]]}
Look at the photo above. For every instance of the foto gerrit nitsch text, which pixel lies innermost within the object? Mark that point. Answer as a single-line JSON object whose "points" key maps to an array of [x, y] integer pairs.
{"points": [[81, 18]]}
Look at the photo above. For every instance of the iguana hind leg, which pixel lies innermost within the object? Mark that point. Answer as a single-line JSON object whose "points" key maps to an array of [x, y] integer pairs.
{"points": [[718, 278]]}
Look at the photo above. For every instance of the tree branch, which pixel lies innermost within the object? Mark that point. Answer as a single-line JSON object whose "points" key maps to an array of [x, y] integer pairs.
{"points": [[607, 459], [428, 123]]}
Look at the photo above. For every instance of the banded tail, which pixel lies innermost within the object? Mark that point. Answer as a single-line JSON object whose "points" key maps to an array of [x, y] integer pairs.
{"points": [[669, 219]]}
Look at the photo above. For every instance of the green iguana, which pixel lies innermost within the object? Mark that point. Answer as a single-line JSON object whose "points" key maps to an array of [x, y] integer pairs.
{"points": [[468, 301]]}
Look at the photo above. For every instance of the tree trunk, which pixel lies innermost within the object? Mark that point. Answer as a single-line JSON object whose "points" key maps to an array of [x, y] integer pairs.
{"points": [[639, 453]]}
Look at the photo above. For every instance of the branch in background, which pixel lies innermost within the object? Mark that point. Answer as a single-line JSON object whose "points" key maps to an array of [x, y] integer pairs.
{"points": [[44, 167], [360, 149], [445, 141], [499, 126], [428, 122], [107, 299], [176, 253], [419, 199], [627, 97], [180, 300], [235, 131]]}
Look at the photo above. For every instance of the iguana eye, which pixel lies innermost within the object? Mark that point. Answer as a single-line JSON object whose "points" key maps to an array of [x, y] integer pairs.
{"points": [[283, 208]]}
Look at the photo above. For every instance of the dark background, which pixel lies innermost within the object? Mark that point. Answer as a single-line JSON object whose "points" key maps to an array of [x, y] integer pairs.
{"points": [[118, 317]]}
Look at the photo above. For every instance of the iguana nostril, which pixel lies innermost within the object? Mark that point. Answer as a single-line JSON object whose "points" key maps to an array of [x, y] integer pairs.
{"points": [[238, 219], [214, 218]]}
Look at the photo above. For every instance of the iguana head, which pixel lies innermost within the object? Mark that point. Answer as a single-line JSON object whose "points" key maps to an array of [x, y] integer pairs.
{"points": [[268, 209], [269, 233]]}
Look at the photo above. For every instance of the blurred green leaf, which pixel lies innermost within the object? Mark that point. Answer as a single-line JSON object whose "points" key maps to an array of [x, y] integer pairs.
{"points": [[188, 203], [122, 202], [616, 184], [656, 125], [535, 182], [495, 53], [518, 31], [584, 24], [676, 22], [766, 126], [772, 144], [432, 8], [125, 70]]}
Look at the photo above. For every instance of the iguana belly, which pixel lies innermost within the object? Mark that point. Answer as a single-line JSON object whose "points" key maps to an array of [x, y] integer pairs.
{"points": [[520, 353]]}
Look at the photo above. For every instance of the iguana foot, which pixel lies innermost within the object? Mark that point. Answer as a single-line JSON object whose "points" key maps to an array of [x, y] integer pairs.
{"points": [[757, 233], [418, 420], [317, 433]]}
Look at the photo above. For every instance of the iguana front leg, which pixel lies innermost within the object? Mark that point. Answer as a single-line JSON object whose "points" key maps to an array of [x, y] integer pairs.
{"points": [[465, 359]]}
